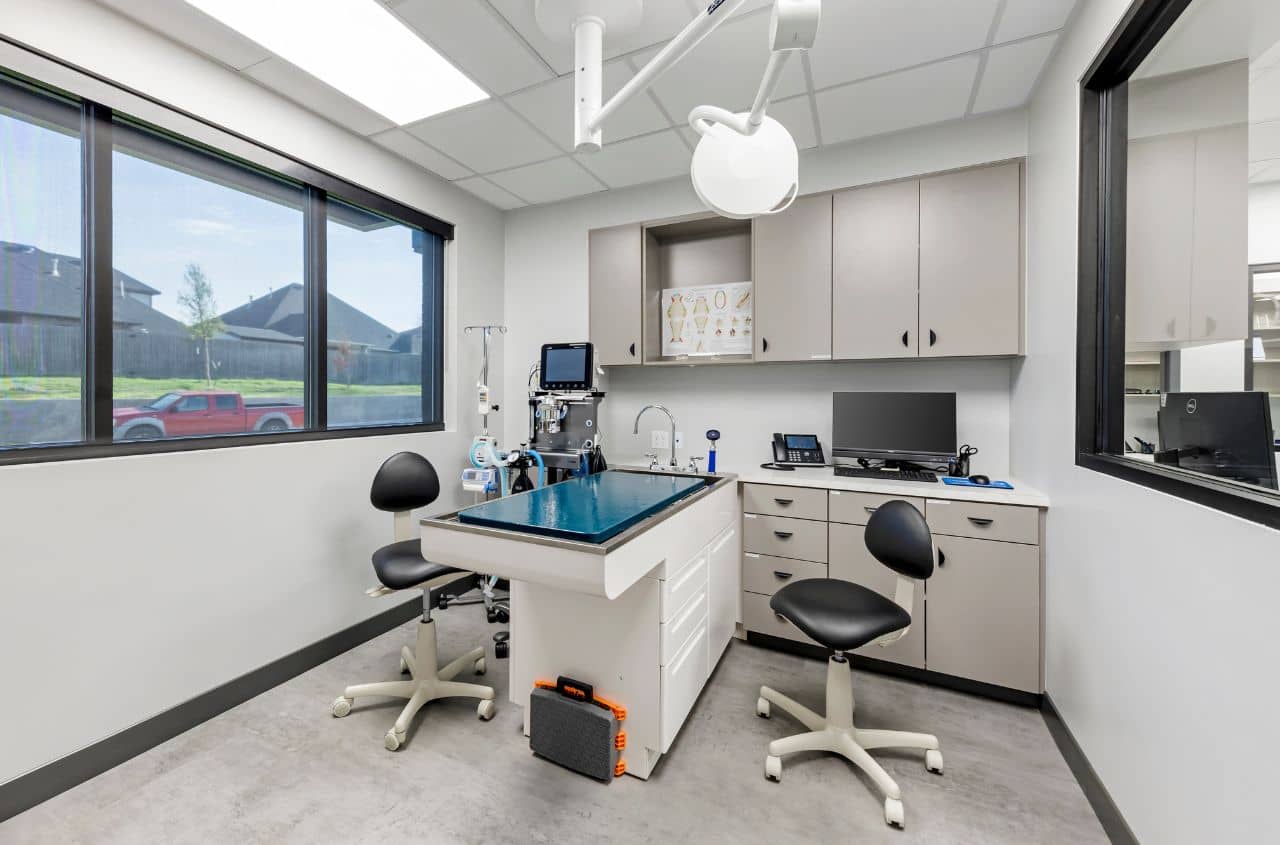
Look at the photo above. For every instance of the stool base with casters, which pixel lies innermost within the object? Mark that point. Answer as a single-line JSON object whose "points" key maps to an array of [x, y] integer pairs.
{"points": [[836, 733]]}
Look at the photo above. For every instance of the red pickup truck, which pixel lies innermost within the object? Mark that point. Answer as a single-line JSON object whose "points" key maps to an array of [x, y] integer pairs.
{"points": [[191, 413]]}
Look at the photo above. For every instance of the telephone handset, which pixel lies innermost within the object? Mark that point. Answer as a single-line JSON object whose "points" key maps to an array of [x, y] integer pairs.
{"points": [[797, 450]]}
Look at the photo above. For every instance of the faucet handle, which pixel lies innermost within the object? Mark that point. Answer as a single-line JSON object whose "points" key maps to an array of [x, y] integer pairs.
{"points": [[653, 460], [693, 464]]}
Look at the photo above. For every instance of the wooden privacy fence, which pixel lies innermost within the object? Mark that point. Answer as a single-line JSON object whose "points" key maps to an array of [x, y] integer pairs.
{"points": [[36, 350]]}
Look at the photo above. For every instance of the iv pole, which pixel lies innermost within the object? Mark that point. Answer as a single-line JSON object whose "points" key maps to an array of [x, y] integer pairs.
{"points": [[483, 385]]}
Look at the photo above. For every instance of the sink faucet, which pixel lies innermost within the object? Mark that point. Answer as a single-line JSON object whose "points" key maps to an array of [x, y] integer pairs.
{"points": [[663, 408]]}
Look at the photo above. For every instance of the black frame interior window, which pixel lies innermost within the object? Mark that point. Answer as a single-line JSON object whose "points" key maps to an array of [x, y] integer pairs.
{"points": [[303, 186], [1104, 138]]}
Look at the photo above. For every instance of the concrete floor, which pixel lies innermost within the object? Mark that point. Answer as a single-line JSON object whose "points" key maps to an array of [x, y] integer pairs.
{"points": [[279, 768]]}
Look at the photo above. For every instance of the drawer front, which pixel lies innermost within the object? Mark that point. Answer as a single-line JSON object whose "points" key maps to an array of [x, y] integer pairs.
{"points": [[856, 508], [682, 680], [779, 536], [757, 616], [1007, 523], [775, 500], [677, 591], [683, 625], [766, 575]]}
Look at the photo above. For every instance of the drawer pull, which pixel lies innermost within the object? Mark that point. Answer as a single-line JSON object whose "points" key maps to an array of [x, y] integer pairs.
{"points": [[782, 575], [781, 618], [942, 557], [983, 521], [783, 535], [785, 502], [869, 509]]}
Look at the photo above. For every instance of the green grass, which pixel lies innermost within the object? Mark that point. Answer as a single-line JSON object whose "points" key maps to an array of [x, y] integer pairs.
{"points": [[63, 387]]}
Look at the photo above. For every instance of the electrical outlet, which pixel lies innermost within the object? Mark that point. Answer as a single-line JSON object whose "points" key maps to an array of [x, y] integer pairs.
{"points": [[679, 439], [660, 439]]}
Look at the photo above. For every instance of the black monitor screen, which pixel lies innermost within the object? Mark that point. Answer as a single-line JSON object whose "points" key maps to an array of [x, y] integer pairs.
{"points": [[1224, 434], [894, 426], [566, 366]]}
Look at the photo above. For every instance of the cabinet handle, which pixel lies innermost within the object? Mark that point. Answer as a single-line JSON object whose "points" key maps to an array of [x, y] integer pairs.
{"points": [[783, 535], [764, 344], [979, 520], [942, 558], [781, 618], [869, 509], [904, 338], [933, 337], [783, 575], [785, 502], [633, 350]]}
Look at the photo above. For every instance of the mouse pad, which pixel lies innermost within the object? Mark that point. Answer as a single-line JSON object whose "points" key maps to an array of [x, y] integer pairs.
{"points": [[964, 482]]}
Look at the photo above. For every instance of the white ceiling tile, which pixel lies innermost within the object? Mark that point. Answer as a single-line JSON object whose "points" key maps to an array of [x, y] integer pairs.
{"points": [[490, 193], [1011, 73], [550, 108], [638, 160], [1264, 95], [1264, 141], [188, 25], [725, 70], [869, 37], [662, 20], [917, 97], [406, 146], [485, 137], [477, 40], [797, 115], [1023, 18], [302, 87], [548, 181]]}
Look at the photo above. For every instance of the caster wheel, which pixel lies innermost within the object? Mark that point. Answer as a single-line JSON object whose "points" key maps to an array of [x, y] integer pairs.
{"points": [[341, 706], [762, 708], [480, 667], [773, 768], [893, 813], [502, 645], [933, 761], [393, 740], [503, 617], [404, 667], [491, 615], [485, 709]]}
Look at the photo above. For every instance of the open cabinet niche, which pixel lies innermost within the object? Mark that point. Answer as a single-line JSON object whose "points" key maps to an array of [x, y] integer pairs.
{"points": [[696, 253]]}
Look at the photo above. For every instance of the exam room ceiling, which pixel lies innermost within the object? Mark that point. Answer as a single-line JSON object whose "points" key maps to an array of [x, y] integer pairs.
{"points": [[880, 66]]}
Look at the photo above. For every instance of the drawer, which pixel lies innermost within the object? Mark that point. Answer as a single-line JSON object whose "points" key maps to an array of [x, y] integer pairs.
{"points": [[757, 616], [766, 575], [686, 621], [780, 536], [677, 591], [1008, 523], [775, 500], [856, 508], [682, 679]]}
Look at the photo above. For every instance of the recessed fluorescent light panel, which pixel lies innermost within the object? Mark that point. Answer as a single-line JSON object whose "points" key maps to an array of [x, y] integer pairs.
{"points": [[356, 46]]}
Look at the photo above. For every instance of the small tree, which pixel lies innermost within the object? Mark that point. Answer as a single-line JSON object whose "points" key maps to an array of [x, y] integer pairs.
{"points": [[202, 311]]}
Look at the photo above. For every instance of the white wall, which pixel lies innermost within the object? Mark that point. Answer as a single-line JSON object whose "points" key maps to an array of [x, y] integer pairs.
{"points": [[546, 301], [129, 585], [1162, 634]]}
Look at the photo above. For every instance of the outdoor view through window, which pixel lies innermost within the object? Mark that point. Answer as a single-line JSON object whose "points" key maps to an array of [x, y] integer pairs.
{"points": [[1202, 286]]}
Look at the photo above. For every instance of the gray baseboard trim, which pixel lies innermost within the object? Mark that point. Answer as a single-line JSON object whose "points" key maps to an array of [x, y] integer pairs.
{"points": [[1117, 829], [28, 790]]}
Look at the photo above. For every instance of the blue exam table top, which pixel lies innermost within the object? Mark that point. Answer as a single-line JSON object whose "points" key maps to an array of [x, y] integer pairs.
{"points": [[592, 509]]}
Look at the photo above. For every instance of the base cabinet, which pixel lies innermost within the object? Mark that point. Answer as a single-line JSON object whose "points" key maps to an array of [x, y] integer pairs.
{"points": [[850, 561]]}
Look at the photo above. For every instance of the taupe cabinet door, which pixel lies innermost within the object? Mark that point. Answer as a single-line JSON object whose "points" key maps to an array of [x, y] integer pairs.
{"points": [[616, 293], [1220, 248], [984, 612], [876, 293], [793, 282], [850, 561], [1160, 221], [971, 262]]}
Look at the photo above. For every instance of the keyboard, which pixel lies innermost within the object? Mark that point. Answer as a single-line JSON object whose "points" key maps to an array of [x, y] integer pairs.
{"points": [[888, 475]]}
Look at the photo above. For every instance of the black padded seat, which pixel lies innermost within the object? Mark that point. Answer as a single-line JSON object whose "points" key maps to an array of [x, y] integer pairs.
{"points": [[838, 614], [401, 565]]}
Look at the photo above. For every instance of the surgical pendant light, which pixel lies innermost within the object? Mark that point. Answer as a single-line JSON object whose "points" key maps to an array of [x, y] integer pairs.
{"points": [[746, 164]]}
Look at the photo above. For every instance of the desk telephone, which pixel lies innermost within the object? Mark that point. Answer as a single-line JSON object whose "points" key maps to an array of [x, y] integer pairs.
{"points": [[798, 450]]}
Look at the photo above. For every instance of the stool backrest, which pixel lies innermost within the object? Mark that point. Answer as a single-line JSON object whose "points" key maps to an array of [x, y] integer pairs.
{"points": [[898, 536], [405, 481]]}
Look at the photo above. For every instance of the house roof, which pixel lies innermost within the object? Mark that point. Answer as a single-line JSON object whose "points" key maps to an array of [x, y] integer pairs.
{"points": [[405, 340], [283, 311], [249, 333]]}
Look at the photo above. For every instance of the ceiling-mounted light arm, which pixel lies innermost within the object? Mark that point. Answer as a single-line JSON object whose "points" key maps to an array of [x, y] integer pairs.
{"points": [[702, 117]]}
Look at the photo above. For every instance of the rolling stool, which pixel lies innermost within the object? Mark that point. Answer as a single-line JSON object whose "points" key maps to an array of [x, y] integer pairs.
{"points": [[407, 481], [842, 616]]}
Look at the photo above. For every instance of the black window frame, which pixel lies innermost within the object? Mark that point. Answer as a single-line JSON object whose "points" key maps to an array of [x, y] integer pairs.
{"points": [[96, 128], [1104, 137]]}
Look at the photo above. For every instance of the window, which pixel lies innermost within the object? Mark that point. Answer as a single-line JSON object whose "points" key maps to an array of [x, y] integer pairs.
{"points": [[1180, 246], [41, 277], [160, 294]]}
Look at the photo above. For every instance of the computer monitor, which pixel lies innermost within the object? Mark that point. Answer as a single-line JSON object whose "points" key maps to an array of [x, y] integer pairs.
{"points": [[1228, 435], [566, 366], [915, 427]]}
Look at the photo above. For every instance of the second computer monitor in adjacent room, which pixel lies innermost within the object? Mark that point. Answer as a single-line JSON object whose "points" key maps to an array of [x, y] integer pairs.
{"points": [[913, 427]]}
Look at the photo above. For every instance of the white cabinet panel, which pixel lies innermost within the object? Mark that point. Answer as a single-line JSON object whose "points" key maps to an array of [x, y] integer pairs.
{"points": [[1220, 249]]}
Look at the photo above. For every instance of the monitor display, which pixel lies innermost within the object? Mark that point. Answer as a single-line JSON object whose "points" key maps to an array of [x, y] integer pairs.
{"points": [[566, 366], [1224, 434], [894, 426]]}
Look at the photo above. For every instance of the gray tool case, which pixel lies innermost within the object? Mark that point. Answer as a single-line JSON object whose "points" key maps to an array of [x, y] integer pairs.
{"points": [[570, 726]]}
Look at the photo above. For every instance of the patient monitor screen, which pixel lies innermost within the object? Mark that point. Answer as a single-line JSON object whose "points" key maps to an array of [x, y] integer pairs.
{"points": [[566, 366]]}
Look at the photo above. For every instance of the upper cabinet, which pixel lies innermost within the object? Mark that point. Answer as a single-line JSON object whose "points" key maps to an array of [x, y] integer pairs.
{"points": [[793, 282], [616, 292], [971, 262]]}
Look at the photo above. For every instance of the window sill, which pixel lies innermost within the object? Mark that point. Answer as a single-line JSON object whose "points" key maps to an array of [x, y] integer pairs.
{"points": [[1260, 507], [89, 451]]}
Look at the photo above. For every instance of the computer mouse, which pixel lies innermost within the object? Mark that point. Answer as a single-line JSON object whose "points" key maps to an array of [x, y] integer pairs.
{"points": [[980, 479]]}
